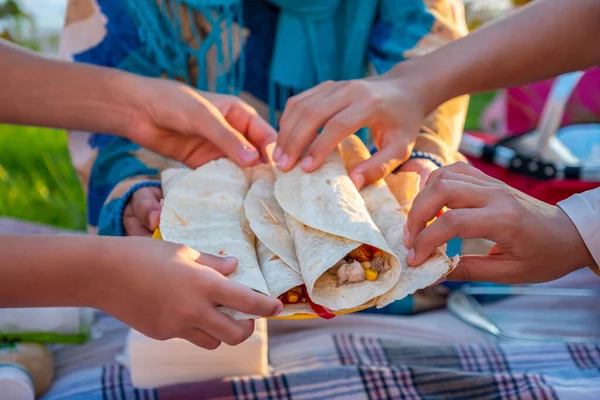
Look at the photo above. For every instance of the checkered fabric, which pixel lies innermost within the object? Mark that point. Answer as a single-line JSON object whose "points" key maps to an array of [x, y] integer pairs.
{"points": [[347, 366]]}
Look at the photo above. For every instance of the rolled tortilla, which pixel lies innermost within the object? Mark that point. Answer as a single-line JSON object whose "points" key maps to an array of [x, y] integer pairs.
{"points": [[204, 209], [390, 217], [274, 244], [328, 219]]}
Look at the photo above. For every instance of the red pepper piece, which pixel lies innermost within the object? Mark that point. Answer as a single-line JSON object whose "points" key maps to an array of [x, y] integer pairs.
{"points": [[320, 310]]}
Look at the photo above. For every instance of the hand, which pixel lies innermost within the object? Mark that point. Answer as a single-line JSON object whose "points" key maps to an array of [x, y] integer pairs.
{"points": [[535, 242], [142, 213], [391, 107], [421, 166], [165, 290], [195, 127]]}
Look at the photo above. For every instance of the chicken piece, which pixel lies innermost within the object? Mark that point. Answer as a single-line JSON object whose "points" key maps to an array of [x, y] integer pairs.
{"points": [[334, 270], [350, 273], [362, 253], [379, 264]]}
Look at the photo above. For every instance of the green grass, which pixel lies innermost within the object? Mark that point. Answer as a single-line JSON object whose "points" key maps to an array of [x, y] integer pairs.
{"points": [[38, 183]]}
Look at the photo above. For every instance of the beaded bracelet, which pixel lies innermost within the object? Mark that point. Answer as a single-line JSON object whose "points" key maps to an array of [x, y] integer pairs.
{"points": [[426, 156]]}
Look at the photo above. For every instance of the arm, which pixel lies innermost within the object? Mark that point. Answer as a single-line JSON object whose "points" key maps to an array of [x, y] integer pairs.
{"points": [[164, 116], [416, 31], [63, 95], [546, 38], [46, 271], [541, 40]]}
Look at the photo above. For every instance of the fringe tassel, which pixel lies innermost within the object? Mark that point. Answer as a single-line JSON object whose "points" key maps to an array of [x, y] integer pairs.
{"points": [[160, 29]]}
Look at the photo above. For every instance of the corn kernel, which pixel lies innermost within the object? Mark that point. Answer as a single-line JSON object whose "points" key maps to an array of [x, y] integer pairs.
{"points": [[156, 234], [292, 297], [366, 264], [371, 274]]}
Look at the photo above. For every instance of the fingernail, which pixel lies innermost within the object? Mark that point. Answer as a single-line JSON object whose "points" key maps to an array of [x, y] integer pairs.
{"points": [[410, 258], [279, 309], [283, 161], [406, 237], [359, 181], [229, 259], [307, 163], [249, 155], [276, 154]]}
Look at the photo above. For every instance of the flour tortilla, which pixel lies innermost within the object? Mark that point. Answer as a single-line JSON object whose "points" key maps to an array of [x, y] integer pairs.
{"points": [[327, 219], [274, 244], [390, 216], [169, 176], [204, 209]]}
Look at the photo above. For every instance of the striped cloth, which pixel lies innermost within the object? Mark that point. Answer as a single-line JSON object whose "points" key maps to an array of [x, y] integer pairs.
{"points": [[354, 366]]}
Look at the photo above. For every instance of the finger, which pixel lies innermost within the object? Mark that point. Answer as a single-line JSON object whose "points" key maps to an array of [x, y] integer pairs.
{"points": [[312, 115], [217, 129], [344, 124], [193, 151], [293, 112], [241, 298], [380, 164], [145, 201], [201, 339], [463, 223], [224, 265], [246, 120], [442, 193], [226, 329], [133, 227], [478, 268], [465, 169]]}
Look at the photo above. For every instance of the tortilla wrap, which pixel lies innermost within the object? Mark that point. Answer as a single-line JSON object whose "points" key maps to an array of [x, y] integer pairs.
{"points": [[274, 244], [327, 219], [391, 217], [204, 209]]}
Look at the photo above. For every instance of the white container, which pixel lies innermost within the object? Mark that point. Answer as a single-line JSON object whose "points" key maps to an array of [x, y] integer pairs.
{"points": [[15, 383]]}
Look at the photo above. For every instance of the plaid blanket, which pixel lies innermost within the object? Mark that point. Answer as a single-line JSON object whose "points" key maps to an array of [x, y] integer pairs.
{"points": [[347, 366]]}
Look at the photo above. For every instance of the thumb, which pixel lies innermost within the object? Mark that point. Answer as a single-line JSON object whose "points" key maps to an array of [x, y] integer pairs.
{"points": [[380, 164], [223, 265], [477, 268], [145, 204], [228, 139]]}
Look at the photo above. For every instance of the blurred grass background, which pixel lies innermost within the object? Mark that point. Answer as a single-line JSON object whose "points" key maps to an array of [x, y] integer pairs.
{"points": [[38, 183]]}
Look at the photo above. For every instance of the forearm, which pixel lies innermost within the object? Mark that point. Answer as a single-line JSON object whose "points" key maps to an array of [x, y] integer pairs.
{"points": [[52, 271], [39, 91], [545, 39]]}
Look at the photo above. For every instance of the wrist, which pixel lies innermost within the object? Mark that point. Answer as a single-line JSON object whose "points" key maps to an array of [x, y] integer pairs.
{"points": [[130, 98], [429, 81]]}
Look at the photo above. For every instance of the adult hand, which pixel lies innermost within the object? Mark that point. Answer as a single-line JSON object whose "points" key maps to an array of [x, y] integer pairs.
{"points": [[141, 215], [195, 127], [535, 242], [391, 107], [166, 290]]}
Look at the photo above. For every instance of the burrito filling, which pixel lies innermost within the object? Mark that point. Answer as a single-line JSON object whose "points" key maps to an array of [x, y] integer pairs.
{"points": [[364, 263], [299, 295]]}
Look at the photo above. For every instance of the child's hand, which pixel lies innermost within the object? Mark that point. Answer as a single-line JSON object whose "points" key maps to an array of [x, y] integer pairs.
{"points": [[142, 213], [166, 290]]}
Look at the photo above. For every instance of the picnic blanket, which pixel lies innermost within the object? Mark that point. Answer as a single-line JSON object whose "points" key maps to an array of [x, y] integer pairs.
{"points": [[313, 365]]}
